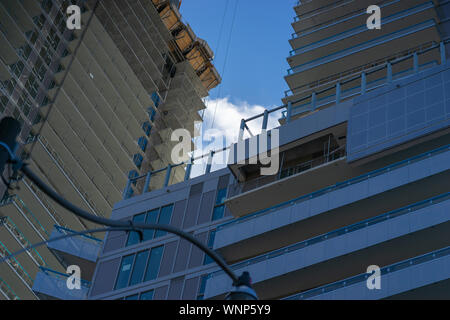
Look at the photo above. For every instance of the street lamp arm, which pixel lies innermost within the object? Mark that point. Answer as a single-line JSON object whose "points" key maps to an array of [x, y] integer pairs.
{"points": [[129, 225]]}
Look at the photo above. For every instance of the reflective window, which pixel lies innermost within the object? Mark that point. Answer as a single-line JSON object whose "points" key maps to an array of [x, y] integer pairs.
{"points": [[133, 237], [164, 218], [133, 297], [152, 217], [153, 263], [221, 196], [148, 295], [211, 237], [218, 212], [124, 272], [139, 267]]}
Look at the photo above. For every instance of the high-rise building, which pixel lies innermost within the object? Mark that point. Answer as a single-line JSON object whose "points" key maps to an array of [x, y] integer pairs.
{"points": [[362, 181], [97, 107]]}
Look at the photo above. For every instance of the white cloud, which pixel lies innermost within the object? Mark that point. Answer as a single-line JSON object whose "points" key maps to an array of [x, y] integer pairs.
{"points": [[222, 119]]}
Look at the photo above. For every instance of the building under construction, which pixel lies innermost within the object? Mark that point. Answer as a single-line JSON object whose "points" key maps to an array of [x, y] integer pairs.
{"points": [[97, 107]]}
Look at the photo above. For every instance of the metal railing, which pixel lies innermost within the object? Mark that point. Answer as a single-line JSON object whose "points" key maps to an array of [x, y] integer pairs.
{"points": [[7, 291], [20, 237], [241, 187], [63, 276], [168, 173], [341, 231], [333, 94], [336, 186], [27, 213], [16, 266], [85, 237], [364, 276]]}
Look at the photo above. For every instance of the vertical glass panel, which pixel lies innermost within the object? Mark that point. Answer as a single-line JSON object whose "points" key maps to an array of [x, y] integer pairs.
{"points": [[133, 237], [208, 259], [218, 212], [148, 295], [139, 267], [153, 263], [164, 218], [221, 196], [152, 217], [124, 272]]}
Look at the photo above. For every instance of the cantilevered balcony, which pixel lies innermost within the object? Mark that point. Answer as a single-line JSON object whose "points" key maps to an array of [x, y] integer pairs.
{"points": [[335, 206], [52, 285], [77, 250], [345, 252], [423, 277]]}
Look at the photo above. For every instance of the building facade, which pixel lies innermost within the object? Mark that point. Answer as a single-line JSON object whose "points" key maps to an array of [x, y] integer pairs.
{"points": [[364, 156], [97, 107]]}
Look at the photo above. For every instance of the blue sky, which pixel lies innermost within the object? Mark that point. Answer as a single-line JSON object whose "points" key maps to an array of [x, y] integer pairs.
{"points": [[255, 66], [256, 62]]}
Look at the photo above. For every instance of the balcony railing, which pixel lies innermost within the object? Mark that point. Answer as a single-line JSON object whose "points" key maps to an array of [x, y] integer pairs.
{"points": [[363, 277], [7, 291], [335, 187], [20, 237], [84, 237], [330, 94], [341, 231], [16, 266], [242, 187], [51, 283]]}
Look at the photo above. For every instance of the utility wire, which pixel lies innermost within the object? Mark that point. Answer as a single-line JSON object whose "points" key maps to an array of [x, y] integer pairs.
{"points": [[225, 61], [218, 43]]}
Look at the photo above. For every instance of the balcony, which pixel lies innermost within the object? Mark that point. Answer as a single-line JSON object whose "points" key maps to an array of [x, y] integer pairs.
{"points": [[382, 240], [77, 250], [422, 277], [420, 177], [52, 285]]}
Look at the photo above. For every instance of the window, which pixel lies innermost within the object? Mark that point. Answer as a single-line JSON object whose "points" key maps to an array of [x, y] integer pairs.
{"points": [[202, 287], [147, 127], [148, 295], [151, 114], [133, 297], [152, 217], [164, 218], [219, 207], [133, 237], [153, 263], [137, 159], [159, 215], [139, 267], [211, 237], [142, 142], [124, 272], [155, 98]]}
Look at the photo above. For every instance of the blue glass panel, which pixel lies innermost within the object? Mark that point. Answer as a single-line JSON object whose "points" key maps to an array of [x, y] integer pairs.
{"points": [[124, 272], [133, 237], [133, 297], [148, 295], [221, 196], [218, 212], [207, 259], [139, 267], [153, 263], [152, 217], [164, 218], [137, 159]]}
